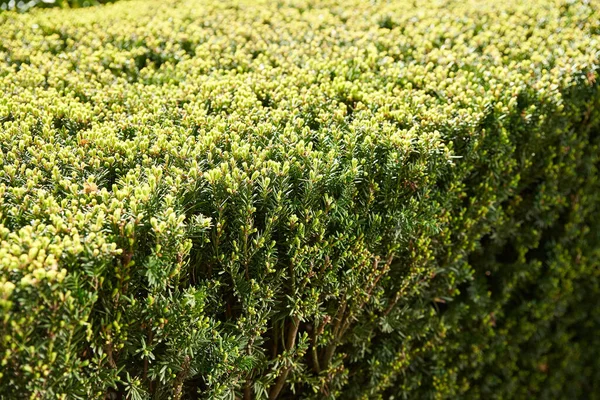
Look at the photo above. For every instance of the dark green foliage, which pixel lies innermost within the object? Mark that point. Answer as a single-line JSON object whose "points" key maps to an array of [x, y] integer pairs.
{"points": [[300, 200]]}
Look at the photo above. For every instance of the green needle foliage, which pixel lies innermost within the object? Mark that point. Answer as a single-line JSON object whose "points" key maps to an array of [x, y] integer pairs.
{"points": [[300, 199]]}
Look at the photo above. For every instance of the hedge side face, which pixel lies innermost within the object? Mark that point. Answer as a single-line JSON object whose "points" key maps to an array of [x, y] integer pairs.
{"points": [[299, 199]]}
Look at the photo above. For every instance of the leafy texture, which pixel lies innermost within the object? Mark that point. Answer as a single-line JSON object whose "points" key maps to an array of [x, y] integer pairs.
{"points": [[300, 199]]}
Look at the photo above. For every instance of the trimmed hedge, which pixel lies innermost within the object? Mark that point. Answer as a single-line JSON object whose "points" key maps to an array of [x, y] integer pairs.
{"points": [[300, 199]]}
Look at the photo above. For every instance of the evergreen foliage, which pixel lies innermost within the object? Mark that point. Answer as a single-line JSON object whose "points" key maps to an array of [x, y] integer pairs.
{"points": [[300, 199]]}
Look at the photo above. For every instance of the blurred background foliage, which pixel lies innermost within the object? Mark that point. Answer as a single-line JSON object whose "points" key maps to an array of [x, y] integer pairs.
{"points": [[23, 5]]}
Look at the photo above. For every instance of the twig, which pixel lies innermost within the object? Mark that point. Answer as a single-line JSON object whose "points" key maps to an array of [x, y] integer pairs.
{"points": [[291, 342]]}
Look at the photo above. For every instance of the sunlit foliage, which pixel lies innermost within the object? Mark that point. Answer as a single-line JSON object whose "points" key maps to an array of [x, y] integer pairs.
{"points": [[300, 199]]}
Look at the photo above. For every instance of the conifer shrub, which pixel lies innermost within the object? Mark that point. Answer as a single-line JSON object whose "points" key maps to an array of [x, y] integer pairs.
{"points": [[300, 199]]}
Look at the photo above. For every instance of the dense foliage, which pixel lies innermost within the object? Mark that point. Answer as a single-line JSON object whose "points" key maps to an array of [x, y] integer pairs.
{"points": [[300, 199]]}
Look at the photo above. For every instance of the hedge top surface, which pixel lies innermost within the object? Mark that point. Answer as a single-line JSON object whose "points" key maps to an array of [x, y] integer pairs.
{"points": [[203, 92], [196, 93], [186, 153]]}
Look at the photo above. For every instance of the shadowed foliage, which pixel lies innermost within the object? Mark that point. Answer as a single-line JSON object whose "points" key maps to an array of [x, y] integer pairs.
{"points": [[300, 199]]}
